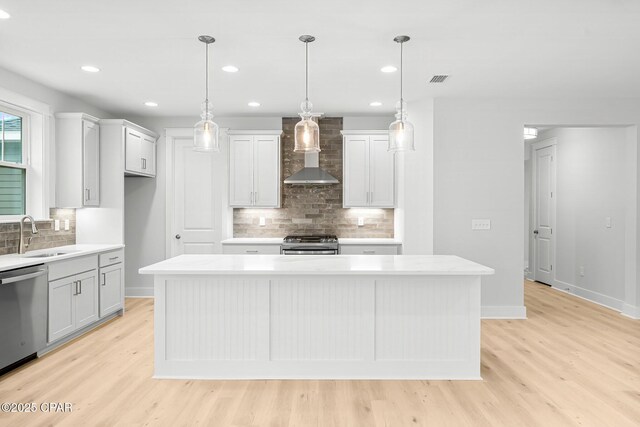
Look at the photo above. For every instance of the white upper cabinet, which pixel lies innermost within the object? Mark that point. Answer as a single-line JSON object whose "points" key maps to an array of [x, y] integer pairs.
{"points": [[254, 169], [368, 169], [140, 153], [77, 160]]}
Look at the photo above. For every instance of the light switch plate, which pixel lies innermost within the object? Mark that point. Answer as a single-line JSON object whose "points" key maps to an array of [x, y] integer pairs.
{"points": [[481, 224], [263, 221], [56, 225], [66, 224], [360, 221]]}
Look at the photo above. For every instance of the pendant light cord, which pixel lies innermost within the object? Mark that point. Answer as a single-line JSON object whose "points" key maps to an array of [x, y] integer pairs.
{"points": [[206, 67], [306, 73], [401, 98]]}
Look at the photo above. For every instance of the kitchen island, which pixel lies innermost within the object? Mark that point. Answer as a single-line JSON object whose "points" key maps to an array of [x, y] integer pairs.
{"points": [[317, 317]]}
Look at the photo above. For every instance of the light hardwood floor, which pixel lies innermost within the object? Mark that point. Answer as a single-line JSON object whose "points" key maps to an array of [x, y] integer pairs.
{"points": [[570, 363]]}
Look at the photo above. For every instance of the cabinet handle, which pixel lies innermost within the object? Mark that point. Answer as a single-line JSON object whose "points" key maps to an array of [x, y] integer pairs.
{"points": [[87, 195], [251, 252], [80, 283], [371, 197], [104, 279], [368, 252], [255, 197], [113, 258], [77, 291]]}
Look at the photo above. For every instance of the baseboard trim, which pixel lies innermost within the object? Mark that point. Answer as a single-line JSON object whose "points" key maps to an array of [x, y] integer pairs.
{"points": [[138, 292], [592, 296], [503, 312], [631, 311]]}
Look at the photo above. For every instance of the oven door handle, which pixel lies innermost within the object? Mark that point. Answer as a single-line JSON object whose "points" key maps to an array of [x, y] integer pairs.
{"points": [[314, 252]]}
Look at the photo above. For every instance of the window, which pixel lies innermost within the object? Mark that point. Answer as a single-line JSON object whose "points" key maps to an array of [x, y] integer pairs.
{"points": [[13, 168]]}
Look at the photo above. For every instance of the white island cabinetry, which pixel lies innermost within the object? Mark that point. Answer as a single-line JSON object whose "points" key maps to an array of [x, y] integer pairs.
{"points": [[317, 317]]}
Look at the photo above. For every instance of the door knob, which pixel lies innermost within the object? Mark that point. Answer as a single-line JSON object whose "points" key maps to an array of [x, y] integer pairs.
{"points": [[178, 236], [535, 231]]}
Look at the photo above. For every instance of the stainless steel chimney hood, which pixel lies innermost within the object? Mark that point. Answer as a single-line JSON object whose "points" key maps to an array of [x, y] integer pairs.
{"points": [[311, 173]]}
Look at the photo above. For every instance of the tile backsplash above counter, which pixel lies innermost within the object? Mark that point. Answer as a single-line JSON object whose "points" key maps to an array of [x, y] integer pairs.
{"points": [[46, 238], [313, 209]]}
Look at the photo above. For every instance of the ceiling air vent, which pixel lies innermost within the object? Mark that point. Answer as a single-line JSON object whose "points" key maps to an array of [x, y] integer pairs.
{"points": [[439, 78]]}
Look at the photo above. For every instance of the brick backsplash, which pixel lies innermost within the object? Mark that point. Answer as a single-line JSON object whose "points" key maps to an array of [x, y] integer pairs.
{"points": [[46, 237], [313, 209]]}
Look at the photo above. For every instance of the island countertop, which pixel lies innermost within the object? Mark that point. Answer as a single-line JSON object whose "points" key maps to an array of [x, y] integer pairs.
{"points": [[429, 265]]}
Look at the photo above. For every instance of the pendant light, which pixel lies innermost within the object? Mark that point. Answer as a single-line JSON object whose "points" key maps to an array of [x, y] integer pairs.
{"points": [[205, 132], [307, 132], [401, 131], [530, 133]]}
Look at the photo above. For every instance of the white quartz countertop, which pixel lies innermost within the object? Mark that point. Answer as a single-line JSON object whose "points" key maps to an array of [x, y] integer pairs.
{"points": [[253, 241], [318, 265], [9, 262]]}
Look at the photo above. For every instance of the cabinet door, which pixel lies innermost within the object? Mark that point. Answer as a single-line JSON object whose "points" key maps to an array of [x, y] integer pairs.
{"points": [[86, 299], [240, 171], [266, 171], [62, 315], [381, 173], [148, 154], [356, 171], [133, 151], [91, 163], [111, 289]]}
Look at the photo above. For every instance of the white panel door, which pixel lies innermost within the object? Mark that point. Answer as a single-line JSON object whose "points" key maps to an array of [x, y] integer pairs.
{"points": [[148, 154], [266, 171], [241, 171], [86, 299], [62, 315], [91, 163], [356, 171], [197, 199], [544, 214], [133, 150], [111, 289], [381, 173]]}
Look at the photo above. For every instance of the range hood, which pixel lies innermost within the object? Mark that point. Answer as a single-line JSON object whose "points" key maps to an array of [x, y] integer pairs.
{"points": [[311, 173]]}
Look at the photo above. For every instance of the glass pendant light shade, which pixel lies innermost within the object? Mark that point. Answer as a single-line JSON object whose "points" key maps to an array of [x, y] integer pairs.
{"points": [[307, 132], [401, 132], [205, 132], [530, 133]]}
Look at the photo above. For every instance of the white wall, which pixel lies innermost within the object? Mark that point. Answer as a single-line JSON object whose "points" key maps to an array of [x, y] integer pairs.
{"points": [[479, 173], [591, 184]]}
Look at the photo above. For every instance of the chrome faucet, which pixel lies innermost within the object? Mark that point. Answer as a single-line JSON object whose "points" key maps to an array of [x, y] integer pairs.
{"points": [[22, 248]]}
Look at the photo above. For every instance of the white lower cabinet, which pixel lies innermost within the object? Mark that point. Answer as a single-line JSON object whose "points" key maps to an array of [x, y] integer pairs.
{"points": [[251, 249], [111, 283], [73, 303]]}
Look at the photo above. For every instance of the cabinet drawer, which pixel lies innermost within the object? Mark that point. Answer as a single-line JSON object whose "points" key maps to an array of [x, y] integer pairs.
{"points": [[110, 258], [368, 249], [66, 268], [251, 249]]}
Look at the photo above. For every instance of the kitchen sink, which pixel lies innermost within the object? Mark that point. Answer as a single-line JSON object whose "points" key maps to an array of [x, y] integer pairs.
{"points": [[47, 254]]}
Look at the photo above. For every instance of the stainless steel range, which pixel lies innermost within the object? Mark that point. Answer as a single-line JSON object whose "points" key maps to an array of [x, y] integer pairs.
{"points": [[325, 244]]}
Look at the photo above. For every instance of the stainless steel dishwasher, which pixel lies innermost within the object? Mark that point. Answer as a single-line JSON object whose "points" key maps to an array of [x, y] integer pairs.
{"points": [[23, 315]]}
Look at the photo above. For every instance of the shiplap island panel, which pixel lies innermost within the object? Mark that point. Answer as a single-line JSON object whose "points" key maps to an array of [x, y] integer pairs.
{"points": [[317, 317]]}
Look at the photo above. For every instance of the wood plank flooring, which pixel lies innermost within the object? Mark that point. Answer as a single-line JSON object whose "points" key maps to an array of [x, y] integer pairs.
{"points": [[571, 363]]}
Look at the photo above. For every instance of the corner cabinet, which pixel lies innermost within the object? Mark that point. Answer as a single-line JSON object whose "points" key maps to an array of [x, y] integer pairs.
{"points": [[77, 160], [140, 153], [368, 170], [254, 169]]}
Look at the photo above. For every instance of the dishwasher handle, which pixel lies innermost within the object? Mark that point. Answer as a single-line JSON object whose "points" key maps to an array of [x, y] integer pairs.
{"points": [[23, 277]]}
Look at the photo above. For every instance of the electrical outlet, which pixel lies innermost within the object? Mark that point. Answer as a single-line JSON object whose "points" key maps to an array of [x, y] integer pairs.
{"points": [[581, 270], [481, 224], [360, 221], [56, 225], [263, 221], [607, 222], [66, 225]]}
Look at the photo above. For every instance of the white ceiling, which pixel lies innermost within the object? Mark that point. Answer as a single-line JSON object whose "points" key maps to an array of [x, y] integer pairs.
{"points": [[148, 50]]}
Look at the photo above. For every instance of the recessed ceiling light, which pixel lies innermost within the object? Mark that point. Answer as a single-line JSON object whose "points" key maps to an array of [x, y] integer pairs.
{"points": [[151, 104], [388, 69], [375, 103], [253, 104], [4, 15], [90, 68], [230, 68]]}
